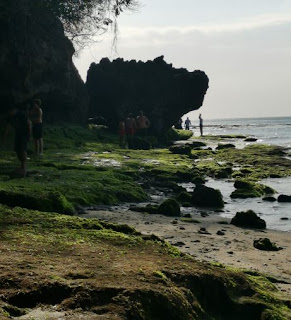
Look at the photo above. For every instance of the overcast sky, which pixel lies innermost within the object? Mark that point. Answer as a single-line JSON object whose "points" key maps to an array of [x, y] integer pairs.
{"points": [[244, 46]]}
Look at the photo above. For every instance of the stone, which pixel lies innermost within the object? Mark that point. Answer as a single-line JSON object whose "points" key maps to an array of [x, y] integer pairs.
{"points": [[269, 199], [266, 245], [203, 231], [119, 87], [225, 146], [248, 219], [36, 61], [170, 207], [250, 139], [220, 233], [207, 197], [181, 150], [284, 198]]}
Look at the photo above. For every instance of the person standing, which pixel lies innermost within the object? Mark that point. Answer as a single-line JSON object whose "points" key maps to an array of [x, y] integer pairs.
{"points": [[142, 123], [187, 124], [130, 127], [35, 115], [201, 124], [121, 132]]}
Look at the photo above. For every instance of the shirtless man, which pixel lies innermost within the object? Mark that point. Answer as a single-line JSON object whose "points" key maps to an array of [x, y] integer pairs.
{"points": [[35, 115], [142, 123]]}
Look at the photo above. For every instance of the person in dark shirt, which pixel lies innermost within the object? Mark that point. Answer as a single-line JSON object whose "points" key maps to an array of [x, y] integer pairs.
{"points": [[18, 119]]}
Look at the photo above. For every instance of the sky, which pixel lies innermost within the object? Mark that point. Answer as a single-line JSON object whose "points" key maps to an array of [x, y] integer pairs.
{"points": [[243, 46]]}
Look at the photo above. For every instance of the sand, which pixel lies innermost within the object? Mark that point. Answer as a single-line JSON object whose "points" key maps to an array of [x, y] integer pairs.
{"points": [[233, 248]]}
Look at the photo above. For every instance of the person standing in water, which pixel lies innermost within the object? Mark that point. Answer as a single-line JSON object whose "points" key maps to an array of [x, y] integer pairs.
{"points": [[201, 125], [187, 124], [35, 115]]}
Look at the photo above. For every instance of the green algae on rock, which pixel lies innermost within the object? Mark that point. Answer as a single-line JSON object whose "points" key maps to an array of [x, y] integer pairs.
{"points": [[81, 267], [247, 189]]}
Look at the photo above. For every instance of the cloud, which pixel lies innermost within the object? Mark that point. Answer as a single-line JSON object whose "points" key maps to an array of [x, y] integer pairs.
{"points": [[261, 21]]}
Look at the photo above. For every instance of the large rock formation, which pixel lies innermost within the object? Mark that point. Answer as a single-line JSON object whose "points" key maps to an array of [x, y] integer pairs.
{"points": [[36, 60], [164, 93]]}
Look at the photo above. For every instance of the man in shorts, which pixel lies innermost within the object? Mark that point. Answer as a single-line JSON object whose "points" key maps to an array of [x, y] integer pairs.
{"points": [[35, 115]]}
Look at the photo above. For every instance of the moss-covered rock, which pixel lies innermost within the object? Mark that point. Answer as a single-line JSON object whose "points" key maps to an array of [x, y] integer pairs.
{"points": [[180, 149], [247, 189], [207, 197], [184, 197], [169, 207], [248, 219]]}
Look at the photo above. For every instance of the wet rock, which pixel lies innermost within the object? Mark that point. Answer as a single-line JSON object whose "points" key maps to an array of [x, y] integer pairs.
{"points": [[250, 139], [170, 207], [223, 173], [269, 199], [184, 149], [148, 208], [178, 244], [175, 222], [203, 231], [184, 197], [248, 219], [207, 197], [246, 189], [266, 245], [284, 218], [139, 143], [220, 233], [225, 146], [284, 198], [197, 144], [187, 215]]}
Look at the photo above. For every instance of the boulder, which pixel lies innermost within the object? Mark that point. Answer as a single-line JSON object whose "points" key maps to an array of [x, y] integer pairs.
{"points": [[248, 219], [36, 61], [284, 198], [247, 189], [266, 245], [250, 139], [183, 149], [170, 207], [269, 199], [207, 197], [163, 92], [225, 146]]}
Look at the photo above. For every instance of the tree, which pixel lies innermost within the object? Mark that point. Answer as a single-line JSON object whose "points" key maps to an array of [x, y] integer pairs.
{"points": [[82, 19]]}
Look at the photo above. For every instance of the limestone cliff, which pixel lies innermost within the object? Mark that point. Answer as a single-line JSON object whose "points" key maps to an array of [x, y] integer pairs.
{"points": [[36, 60], [164, 93]]}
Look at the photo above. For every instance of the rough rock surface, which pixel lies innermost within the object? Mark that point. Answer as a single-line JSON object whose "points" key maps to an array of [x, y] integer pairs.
{"points": [[265, 244], [36, 61], [207, 197], [248, 219], [164, 93]]}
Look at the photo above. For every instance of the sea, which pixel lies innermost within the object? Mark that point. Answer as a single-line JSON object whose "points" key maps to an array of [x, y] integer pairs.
{"points": [[275, 131], [271, 131]]}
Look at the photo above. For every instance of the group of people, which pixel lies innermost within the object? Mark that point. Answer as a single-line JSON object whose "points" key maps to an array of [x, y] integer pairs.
{"points": [[26, 121], [187, 124], [130, 126]]}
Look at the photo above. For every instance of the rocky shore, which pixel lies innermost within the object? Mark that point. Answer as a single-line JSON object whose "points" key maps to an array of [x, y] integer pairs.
{"points": [[56, 265]]}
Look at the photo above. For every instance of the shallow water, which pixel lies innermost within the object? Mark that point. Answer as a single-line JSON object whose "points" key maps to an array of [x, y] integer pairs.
{"points": [[271, 212]]}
